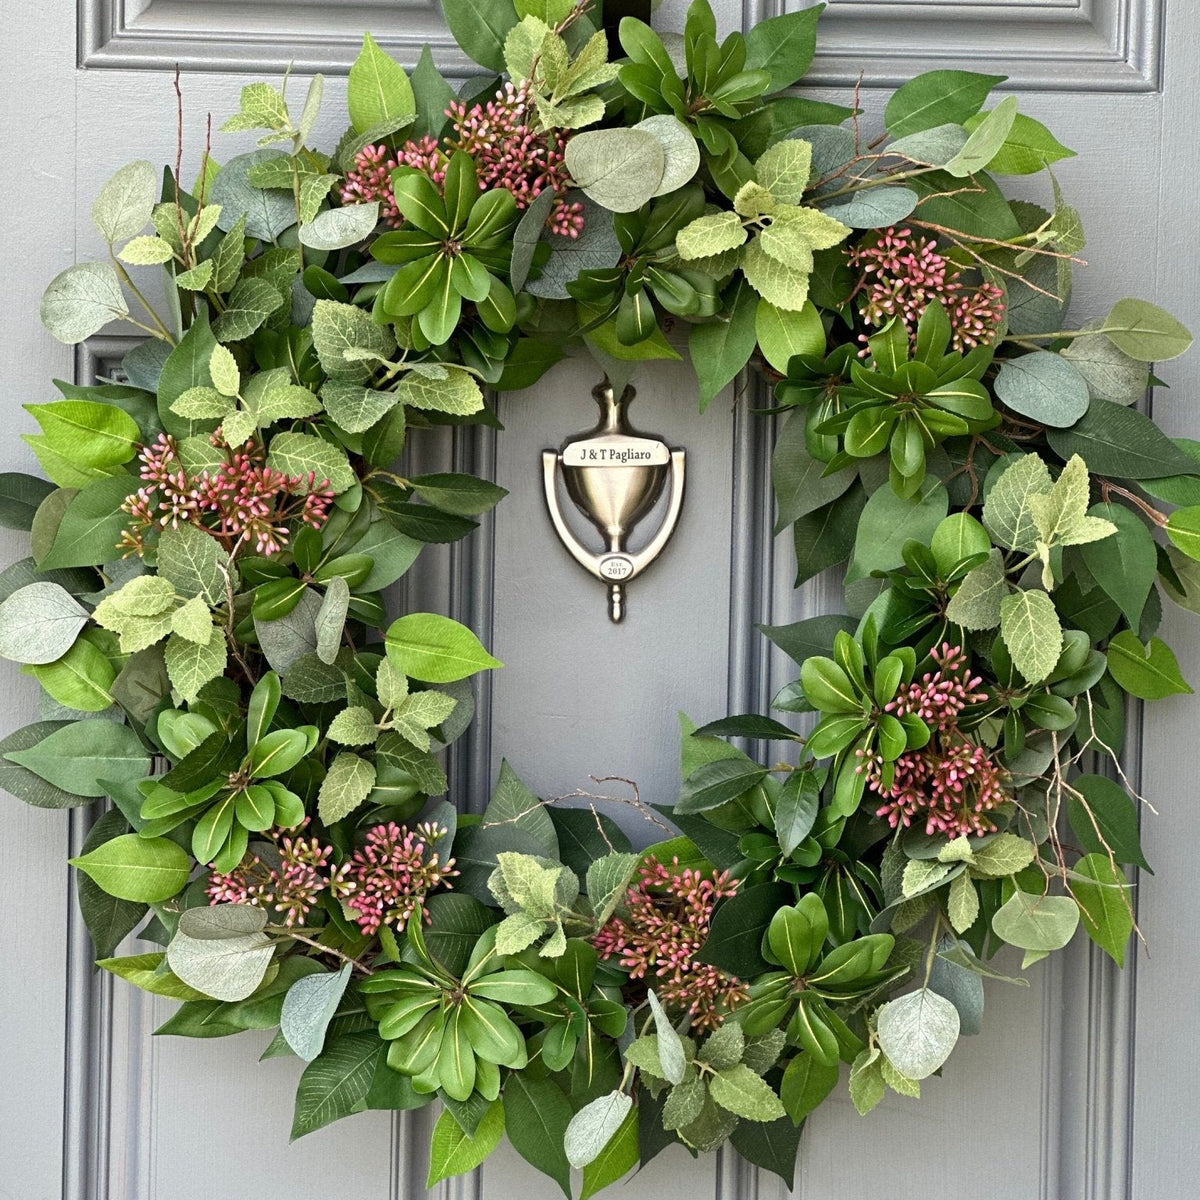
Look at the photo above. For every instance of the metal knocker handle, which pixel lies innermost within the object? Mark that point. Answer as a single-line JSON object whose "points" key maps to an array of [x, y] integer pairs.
{"points": [[616, 566]]}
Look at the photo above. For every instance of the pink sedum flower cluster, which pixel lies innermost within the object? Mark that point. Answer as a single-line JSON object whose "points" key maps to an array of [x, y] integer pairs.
{"points": [[952, 783], [902, 274], [507, 151], [243, 501], [385, 883], [669, 913], [393, 874], [371, 178], [291, 888]]}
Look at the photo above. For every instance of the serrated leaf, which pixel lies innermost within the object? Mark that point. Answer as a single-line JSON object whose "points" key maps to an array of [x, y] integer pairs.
{"points": [[354, 727], [976, 603], [190, 665], [739, 1090], [1007, 514], [1031, 630], [346, 785]]}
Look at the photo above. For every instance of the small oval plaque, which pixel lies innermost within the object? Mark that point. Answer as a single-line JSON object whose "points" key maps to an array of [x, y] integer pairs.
{"points": [[616, 566], [616, 452]]}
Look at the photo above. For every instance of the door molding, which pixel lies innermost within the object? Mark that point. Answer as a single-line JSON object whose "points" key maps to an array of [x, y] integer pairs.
{"points": [[1082, 45]]}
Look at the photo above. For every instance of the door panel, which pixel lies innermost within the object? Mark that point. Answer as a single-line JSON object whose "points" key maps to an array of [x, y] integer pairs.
{"points": [[1089, 1065]]}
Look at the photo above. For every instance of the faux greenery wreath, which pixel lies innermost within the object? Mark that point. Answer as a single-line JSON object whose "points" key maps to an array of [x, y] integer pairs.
{"points": [[203, 607]]}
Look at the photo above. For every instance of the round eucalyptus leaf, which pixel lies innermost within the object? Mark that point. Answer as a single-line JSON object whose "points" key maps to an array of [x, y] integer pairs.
{"points": [[268, 211], [1145, 331], [918, 1031], [619, 168], [874, 208], [81, 301], [336, 228], [1044, 386], [681, 153], [39, 623]]}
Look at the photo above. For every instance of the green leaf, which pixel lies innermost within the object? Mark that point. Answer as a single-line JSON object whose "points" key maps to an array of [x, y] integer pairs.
{"points": [[783, 46], [81, 301], [1147, 671], [888, 521], [985, 141], [1144, 331], [87, 433], [336, 1082], [347, 784], [619, 169], [149, 972], [228, 965], [607, 880], [80, 680], [78, 756], [536, 1115], [480, 28], [1105, 820], [354, 727], [1033, 922], [796, 809], [670, 1046], [193, 561], [91, 525], [594, 1126], [341, 328], [772, 1145], [1125, 565], [23, 783], [433, 96], [124, 204], [39, 623], [190, 665], [1007, 514], [976, 604], [715, 783], [377, 91], [1061, 514], [917, 1032], [249, 304], [302, 453], [1104, 905], [1183, 528], [1028, 148], [148, 870], [735, 935], [457, 393], [615, 1160], [336, 228], [937, 98], [806, 1082], [20, 496], [1005, 854], [1044, 386], [1030, 628], [681, 154], [962, 903], [874, 208], [1121, 443], [1108, 371], [436, 649], [719, 350], [800, 481], [782, 334], [308, 1008], [739, 1090], [452, 1152], [711, 234]]}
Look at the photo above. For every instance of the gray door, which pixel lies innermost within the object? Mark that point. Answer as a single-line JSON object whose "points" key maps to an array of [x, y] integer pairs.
{"points": [[1079, 1087]]}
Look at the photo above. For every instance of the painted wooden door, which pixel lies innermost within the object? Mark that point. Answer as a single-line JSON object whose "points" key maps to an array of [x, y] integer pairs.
{"points": [[1079, 1088]]}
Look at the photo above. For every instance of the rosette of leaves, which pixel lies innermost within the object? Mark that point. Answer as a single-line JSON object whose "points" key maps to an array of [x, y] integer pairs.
{"points": [[453, 1033], [583, 1021], [802, 997], [1032, 517], [778, 259], [720, 94], [648, 272], [562, 87], [458, 248], [851, 691], [911, 398], [229, 792], [706, 1090]]}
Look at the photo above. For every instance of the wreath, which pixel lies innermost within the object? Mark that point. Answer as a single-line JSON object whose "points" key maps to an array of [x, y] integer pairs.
{"points": [[203, 602]]}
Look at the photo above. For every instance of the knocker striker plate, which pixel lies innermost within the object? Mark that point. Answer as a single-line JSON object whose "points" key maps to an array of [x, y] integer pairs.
{"points": [[615, 475]]}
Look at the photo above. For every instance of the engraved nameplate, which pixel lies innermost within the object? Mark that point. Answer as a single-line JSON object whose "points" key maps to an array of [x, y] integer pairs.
{"points": [[616, 452], [616, 567]]}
